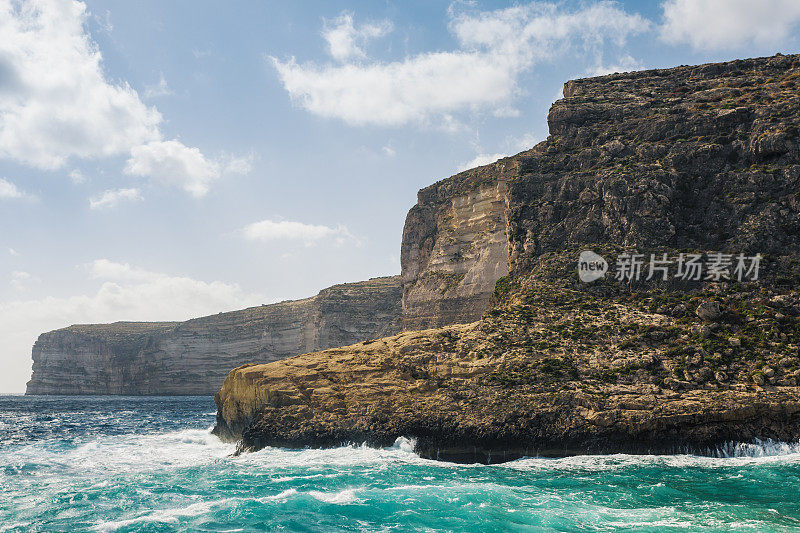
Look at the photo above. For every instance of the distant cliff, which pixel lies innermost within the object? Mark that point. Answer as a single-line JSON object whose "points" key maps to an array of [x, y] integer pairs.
{"points": [[193, 357], [688, 160]]}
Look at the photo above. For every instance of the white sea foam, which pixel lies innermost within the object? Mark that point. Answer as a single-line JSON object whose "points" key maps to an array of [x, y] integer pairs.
{"points": [[734, 454], [9, 527], [400, 452], [168, 516], [759, 448], [404, 444], [283, 496], [126, 453], [340, 498]]}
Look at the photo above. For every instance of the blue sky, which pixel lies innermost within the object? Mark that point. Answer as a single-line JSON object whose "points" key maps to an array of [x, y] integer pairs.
{"points": [[163, 160]]}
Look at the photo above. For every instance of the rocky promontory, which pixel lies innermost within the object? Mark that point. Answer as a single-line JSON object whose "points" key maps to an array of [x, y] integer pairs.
{"points": [[690, 162]]}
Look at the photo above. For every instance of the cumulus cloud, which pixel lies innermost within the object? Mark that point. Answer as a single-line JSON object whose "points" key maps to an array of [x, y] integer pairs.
{"points": [[112, 198], [346, 41], [125, 293], [173, 163], [729, 24], [9, 190], [286, 230], [494, 48], [112, 270], [56, 102]]}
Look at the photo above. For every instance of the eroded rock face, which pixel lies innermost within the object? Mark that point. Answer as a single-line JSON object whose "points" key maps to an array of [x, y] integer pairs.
{"points": [[455, 247], [696, 159], [704, 157], [193, 357]]}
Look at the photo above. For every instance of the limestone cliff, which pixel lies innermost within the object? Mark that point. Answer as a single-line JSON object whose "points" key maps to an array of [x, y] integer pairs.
{"points": [[193, 357], [696, 159], [455, 247]]}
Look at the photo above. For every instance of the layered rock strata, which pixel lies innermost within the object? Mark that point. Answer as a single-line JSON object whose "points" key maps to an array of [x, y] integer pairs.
{"points": [[193, 357], [690, 160], [455, 247]]}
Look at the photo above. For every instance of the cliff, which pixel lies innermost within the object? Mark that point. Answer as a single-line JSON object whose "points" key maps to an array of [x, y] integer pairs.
{"points": [[453, 251], [690, 160], [193, 357], [455, 247]]}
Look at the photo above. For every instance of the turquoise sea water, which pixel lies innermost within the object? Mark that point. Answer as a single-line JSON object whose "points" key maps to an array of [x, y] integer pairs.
{"points": [[150, 464]]}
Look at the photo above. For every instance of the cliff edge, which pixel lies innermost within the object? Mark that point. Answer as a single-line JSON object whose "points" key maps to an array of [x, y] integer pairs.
{"points": [[673, 163], [193, 357]]}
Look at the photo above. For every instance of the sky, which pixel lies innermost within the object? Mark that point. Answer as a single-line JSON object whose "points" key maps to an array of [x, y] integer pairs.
{"points": [[166, 160]]}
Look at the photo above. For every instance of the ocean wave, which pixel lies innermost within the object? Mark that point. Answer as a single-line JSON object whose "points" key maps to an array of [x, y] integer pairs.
{"points": [[339, 498], [283, 496], [123, 453], [730, 454], [166, 516], [400, 452], [758, 448]]}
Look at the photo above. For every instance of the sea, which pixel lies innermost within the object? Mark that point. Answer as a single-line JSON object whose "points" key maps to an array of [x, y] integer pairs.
{"points": [[151, 464]]}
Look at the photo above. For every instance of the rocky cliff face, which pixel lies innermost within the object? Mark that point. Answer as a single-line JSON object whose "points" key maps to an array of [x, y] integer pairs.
{"points": [[455, 247], [688, 160], [193, 357]]}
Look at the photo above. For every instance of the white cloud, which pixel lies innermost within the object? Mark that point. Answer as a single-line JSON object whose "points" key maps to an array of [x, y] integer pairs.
{"points": [[18, 279], [173, 163], [9, 190], [480, 160], [105, 22], [346, 41], [309, 234], [108, 270], [57, 104], [389, 151], [237, 165], [139, 295], [625, 63], [159, 89], [77, 176], [729, 24], [112, 198], [494, 49], [12, 252]]}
